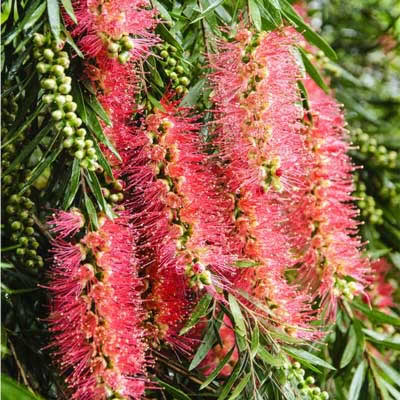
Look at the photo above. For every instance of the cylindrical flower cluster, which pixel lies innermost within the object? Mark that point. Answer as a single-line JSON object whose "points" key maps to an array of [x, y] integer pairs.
{"points": [[96, 313]]}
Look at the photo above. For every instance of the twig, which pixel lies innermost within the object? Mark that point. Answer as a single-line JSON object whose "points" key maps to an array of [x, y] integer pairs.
{"points": [[42, 227], [19, 365]]}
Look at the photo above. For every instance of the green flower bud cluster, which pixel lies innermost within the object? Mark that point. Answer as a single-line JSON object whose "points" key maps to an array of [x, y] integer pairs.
{"points": [[369, 211], [173, 68], [307, 388], [120, 48], [344, 288], [20, 222], [9, 108], [51, 66], [378, 154], [198, 275], [390, 191], [113, 192]]}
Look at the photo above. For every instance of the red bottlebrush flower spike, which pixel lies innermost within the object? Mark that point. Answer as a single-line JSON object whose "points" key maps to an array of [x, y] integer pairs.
{"points": [[179, 213], [333, 260], [106, 25], [266, 164], [66, 223], [95, 316]]}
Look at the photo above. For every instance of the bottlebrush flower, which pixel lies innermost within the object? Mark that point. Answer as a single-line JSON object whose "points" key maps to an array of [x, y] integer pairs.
{"points": [[106, 25], [95, 316], [178, 211], [333, 261], [66, 223], [266, 164]]}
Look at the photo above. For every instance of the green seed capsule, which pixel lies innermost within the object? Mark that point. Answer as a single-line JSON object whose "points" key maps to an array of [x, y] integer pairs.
{"points": [[39, 40], [84, 163], [79, 154], [127, 43], [42, 67], [23, 241], [20, 252], [71, 106], [114, 198], [68, 131], [70, 115], [185, 81], [48, 84], [164, 54], [60, 100], [37, 54], [76, 123], [30, 263], [57, 70], [89, 143], [173, 75], [29, 231], [81, 132], [68, 143], [179, 69], [35, 244], [40, 263], [48, 54], [11, 210], [24, 215], [179, 89], [171, 61], [48, 98], [64, 88], [16, 226], [113, 47], [15, 199], [31, 253], [79, 143], [91, 152], [57, 115], [124, 57]]}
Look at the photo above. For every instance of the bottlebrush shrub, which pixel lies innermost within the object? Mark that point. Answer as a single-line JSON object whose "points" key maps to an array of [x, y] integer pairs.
{"points": [[95, 311], [333, 260], [266, 164]]}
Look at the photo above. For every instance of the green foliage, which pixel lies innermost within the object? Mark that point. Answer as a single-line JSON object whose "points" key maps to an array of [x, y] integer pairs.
{"points": [[358, 50]]}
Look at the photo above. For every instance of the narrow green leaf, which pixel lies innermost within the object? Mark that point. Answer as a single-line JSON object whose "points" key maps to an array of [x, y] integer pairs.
{"points": [[91, 210], [392, 390], [380, 383], [240, 386], [193, 95], [205, 347], [382, 339], [393, 375], [357, 381], [217, 370], [306, 356], [350, 348], [274, 360], [207, 11], [101, 159], [306, 30], [240, 325], [312, 71], [162, 10], [154, 72], [255, 14], [37, 171], [13, 135], [168, 37], [95, 187], [69, 9], [28, 149], [53, 11], [226, 388], [73, 184], [5, 11], [255, 341], [99, 110], [199, 311], [72, 43], [207, 343], [375, 315], [12, 390], [177, 393]]}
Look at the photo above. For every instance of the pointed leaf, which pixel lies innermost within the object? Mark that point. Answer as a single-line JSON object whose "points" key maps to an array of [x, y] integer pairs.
{"points": [[177, 393], [53, 10], [91, 210], [240, 386], [358, 380], [255, 14], [312, 71], [350, 348], [199, 311], [73, 185], [306, 356], [240, 326], [69, 9]]}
